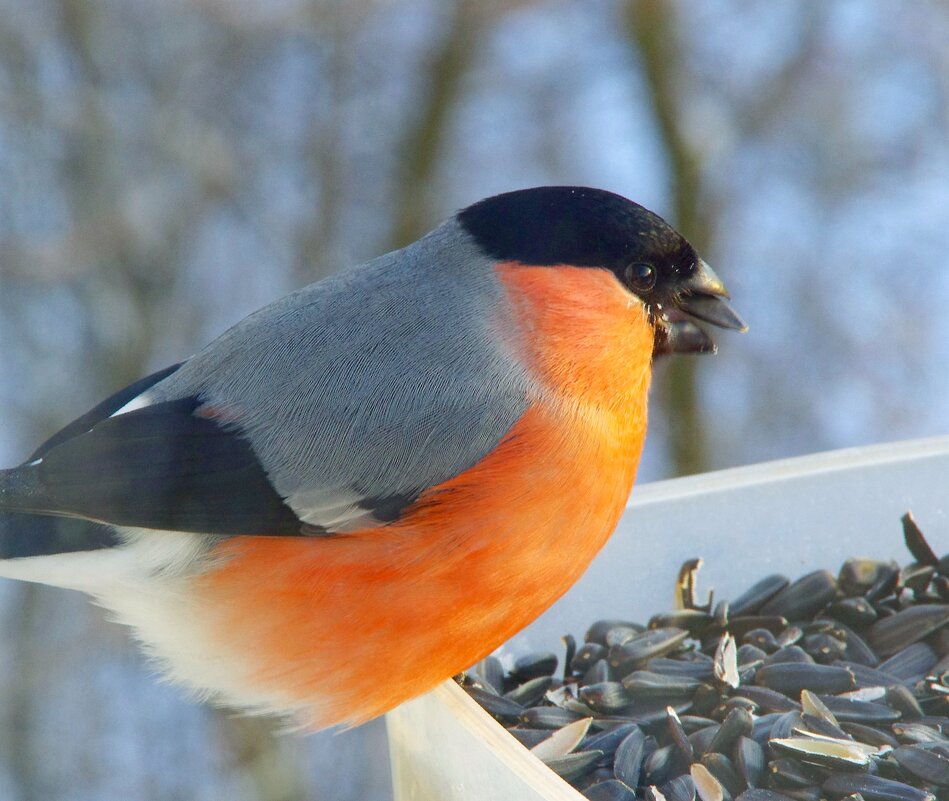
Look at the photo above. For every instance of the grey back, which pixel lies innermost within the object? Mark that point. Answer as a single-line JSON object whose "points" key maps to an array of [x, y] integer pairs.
{"points": [[376, 383]]}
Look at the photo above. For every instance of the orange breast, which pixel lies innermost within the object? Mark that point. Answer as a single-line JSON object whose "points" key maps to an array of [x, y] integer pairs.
{"points": [[350, 626]]}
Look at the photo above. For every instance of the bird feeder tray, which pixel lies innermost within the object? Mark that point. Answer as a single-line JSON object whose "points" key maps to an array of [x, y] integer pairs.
{"points": [[788, 516]]}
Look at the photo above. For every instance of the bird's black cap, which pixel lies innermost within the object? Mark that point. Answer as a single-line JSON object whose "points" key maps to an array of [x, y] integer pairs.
{"points": [[582, 227], [573, 225]]}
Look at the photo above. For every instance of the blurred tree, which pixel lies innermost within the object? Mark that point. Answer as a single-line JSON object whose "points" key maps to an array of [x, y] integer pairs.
{"points": [[418, 156], [654, 31]]}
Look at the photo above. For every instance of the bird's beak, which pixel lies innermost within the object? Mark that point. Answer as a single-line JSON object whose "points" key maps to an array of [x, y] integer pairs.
{"points": [[703, 297], [681, 336]]}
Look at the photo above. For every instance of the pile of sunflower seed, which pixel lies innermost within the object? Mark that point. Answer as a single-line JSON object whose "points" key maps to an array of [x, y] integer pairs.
{"points": [[828, 687]]}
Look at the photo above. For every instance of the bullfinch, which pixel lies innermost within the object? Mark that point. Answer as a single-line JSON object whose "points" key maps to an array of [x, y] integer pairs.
{"points": [[365, 487]]}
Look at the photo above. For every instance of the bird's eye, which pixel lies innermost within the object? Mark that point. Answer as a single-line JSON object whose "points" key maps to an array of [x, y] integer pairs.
{"points": [[640, 277]]}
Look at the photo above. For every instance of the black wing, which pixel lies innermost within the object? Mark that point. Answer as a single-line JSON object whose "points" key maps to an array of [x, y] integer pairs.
{"points": [[162, 466]]}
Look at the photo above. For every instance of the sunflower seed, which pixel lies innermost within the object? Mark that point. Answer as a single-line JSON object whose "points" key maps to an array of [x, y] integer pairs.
{"points": [[530, 737], [805, 597], [608, 741], [855, 647], [562, 741], [840, 754], [762, 639], [704, 784], [857, 576], [726, 661], [698, 669], [646, 645], [918, 579], [819, 726], [490, 672], [735, 702], [786, 724], [597, 632], [739, 723], [750, 655], [620, 635], [749, 761], [530, 666], [813, 793], [916, 543], [681, 788], [756, 596], [645, 684], [789, 636], [629, 758], [911, 663], [653, 793], [547, 717], [901, 699], [679, 738], [791, 774], [929, 766], [740, 626], [894, 633], [586, 656], [573, 766], [560, 696], [767, 700], [853, 611], [826, 648], [940, 583], [846, 709], [874, 788], [578, 708], [702, 740], [869, 677], [685, 596], [720, 614], [938, 722], [661, 764], [530, 692], [599, 671], [888, 583], [705, 700], [791, 678], [812, 705], [915, 733], [646, 713], [693, 723], [598, 773], [755, 794], [570, 647], [723, 769], [695, 621], [789, 653], [819, 625], [869, 735], [495, 704], [605, 697], [609, 790]]}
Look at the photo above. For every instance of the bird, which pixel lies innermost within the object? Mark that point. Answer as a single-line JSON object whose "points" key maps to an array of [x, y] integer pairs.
{"points": [[365, 487]]}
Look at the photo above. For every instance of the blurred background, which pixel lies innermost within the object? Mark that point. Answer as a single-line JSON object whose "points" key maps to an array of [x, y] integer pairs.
{"points": [[167, 168]]}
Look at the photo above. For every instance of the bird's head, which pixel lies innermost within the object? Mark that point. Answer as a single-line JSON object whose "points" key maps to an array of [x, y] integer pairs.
{"points": [[582, 227]]}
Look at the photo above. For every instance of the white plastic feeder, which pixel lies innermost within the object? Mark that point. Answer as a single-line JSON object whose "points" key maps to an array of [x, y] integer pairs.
{"points": [[787, 517]]}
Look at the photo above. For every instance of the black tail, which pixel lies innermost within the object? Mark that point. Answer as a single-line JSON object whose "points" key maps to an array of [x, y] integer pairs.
{"points": [[20, 490], [34, 535], [26, 531]]}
